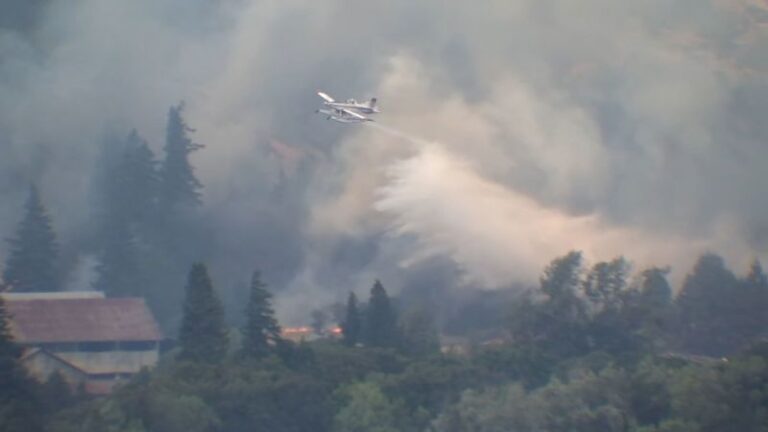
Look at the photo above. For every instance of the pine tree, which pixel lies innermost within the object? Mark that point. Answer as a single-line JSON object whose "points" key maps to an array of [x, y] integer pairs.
{"points": [[127, 184], [653, 306], [753, 319], [128, 179], [128, 196], [381, 323], [19, 403], [118, 273], [32, 262], [555, 324], [179, 186], [350, 328], [136, 181], [606, 284], [561, 283], [562, 277], [615, 320], [203, 334], [709, 308], [654, 287], [261, 332]]}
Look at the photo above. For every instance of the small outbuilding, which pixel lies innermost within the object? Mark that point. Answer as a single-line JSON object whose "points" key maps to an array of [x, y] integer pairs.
{"points": [[94, 342]]}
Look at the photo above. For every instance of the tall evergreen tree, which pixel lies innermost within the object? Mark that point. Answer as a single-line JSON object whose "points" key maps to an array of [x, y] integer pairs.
{"points": [[708, 308], [381, 322], [261, 332], [554, 318], [203, 334], [127, 184], [561, 283], [618, 312], [118, 273], [128, 178], [32, 262], [19, 403], [653, 306], [129, 195], [350, 328], [752, 315], [179, 186], [562, 279], [606, 283], [136, 182], [655, 288]]}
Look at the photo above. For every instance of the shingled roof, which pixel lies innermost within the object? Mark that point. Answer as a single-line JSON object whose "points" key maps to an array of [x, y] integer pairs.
{"points": [[81, 320]]}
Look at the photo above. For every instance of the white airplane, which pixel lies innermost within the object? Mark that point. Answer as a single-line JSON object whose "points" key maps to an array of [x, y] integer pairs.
{"points": [[368, 107], [350, 111], [343, 115]]}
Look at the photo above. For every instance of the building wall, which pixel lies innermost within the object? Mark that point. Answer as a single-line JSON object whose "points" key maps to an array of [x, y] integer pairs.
{"points": [[111, 361], [99, 372], [41, 365]]}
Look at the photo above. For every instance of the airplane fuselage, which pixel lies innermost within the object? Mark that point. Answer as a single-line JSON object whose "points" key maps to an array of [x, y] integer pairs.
{"points": [[341, 116], [361, 108]]}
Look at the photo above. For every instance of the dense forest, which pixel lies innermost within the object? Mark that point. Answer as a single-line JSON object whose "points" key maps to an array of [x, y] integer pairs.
{"points": [[589, 349]]}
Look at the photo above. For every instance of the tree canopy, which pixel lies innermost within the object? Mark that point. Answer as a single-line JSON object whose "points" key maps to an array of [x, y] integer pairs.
{"points": [[32, 263], [179, 185], [352, 325], [381, 321], [261, 332], [203, 335]]}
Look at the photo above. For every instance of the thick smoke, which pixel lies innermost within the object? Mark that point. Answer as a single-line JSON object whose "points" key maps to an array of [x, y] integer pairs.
{"points": [[521, 129]]}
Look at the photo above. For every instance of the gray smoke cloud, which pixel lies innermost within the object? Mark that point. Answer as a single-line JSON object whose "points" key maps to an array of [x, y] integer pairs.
{"points": [[512, 131]]}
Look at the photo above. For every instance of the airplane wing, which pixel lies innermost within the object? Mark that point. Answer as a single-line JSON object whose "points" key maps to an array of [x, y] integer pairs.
{"points": [[354, 114], [325, 96]]}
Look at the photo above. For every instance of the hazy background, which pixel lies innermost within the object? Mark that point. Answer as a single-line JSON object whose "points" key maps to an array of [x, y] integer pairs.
{"points": [[511, 132]]}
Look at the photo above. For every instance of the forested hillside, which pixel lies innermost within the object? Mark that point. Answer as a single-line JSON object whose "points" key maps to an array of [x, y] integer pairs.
{"points": [[596, 348]]}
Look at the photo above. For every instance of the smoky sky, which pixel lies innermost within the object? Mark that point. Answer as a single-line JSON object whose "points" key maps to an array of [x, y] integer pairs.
{"points": [[511, 132]]}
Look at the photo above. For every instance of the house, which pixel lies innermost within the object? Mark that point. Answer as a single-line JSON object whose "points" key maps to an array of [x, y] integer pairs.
{"points": [[92, 341]]}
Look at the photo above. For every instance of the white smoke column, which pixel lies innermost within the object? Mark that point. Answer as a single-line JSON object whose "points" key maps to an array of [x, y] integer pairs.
{"points": [[496, 234]]}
